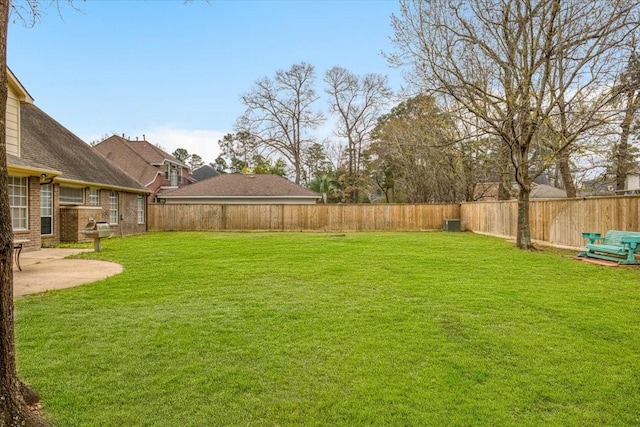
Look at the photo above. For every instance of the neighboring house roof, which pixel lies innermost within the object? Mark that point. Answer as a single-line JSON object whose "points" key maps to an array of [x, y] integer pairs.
{"points": [[204, 172], [47, 142], [488, 191], [152, 154], [543, 191], [243, 186], [140, 159]]}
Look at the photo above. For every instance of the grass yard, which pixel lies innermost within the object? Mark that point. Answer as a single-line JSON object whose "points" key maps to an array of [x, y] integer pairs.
{"points": [[377, 329]]}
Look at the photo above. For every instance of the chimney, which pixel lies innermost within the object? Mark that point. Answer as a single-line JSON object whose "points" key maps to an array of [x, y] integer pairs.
{"points": [[136, 139], [144, 137], [123, 135]]}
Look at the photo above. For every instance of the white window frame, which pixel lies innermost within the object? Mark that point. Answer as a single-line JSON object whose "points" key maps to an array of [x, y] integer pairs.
{"points": [[71, 199], [94, 196], [19, 202], [113, 207], [141, 208], [174, 177], [46, 205]]}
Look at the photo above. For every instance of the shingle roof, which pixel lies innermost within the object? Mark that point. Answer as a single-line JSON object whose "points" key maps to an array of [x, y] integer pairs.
{"points": [[204, 172], [151, 153], [47, 142], [19, 163], [542, 191], [239, 185], [140, 159]]}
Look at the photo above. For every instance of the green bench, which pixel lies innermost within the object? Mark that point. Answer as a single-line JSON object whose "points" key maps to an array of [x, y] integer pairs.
{"points": [[619, 246]]}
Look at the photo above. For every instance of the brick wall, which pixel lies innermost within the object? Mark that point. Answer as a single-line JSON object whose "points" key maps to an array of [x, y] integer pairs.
{"points": [[127, 213], [74, 219], [68, 221]]}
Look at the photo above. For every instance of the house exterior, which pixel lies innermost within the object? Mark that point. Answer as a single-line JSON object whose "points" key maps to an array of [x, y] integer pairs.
{"points": [[242, 189], [56, 182], [632, 183], [152, 167]]}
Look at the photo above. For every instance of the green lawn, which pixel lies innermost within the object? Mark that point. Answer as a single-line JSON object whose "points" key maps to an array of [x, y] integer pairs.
{"points": [[384, 329]]}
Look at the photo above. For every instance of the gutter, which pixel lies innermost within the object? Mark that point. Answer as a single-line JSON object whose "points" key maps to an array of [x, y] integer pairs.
{"points": [[105, 186]]}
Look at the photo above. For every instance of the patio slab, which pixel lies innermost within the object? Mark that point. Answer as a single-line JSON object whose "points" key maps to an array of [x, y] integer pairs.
{"points": [[47, 269]]}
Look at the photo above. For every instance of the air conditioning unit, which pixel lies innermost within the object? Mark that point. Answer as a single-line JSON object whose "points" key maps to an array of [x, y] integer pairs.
{"points": [[451, 225]]}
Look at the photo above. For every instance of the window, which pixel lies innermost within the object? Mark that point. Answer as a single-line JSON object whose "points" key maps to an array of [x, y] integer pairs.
{"points": [[166, 170], [174, 177], [113, 207], [94, 197], [72, 195], [46, 209], [141, 204], [19, 202]]}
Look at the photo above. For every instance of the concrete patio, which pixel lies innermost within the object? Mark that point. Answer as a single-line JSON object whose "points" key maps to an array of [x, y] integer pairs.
{"points": [[47, 269]]}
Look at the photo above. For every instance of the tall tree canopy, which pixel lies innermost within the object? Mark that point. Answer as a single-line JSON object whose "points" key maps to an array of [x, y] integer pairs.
{"points": [[280, 114], [412, 144], [357, 102], [532, 72]]}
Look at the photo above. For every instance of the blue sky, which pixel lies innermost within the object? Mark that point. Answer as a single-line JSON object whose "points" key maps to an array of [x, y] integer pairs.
{"points": [[176, 71]]}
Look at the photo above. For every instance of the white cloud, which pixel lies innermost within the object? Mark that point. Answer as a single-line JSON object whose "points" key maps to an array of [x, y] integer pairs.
{"points": [[203, 142]]}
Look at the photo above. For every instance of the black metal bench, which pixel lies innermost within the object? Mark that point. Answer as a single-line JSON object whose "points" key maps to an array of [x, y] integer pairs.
{"points": [[17, 250], [616, 245]]}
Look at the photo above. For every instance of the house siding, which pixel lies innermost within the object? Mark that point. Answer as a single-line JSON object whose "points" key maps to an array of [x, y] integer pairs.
{"points": [[633, 182], [13, 123]]}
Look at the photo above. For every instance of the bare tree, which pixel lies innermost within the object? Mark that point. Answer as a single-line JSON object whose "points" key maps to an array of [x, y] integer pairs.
{"points": [[357, 102], [280, 113], [517, 65]]}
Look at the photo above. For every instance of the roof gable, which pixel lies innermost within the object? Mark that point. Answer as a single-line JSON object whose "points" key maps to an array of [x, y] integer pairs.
{"points": [[18, 88], [120, 153], [150, 153]]}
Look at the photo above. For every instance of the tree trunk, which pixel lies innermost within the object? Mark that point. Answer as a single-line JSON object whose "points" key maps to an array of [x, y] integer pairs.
{"points": [[13, 408], [505, 171], [523, 238], [523, 233], [565, 173]]}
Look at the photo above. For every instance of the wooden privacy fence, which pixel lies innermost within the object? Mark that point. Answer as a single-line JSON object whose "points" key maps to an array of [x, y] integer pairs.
{"points": [[320, 217], [557, 222]]}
